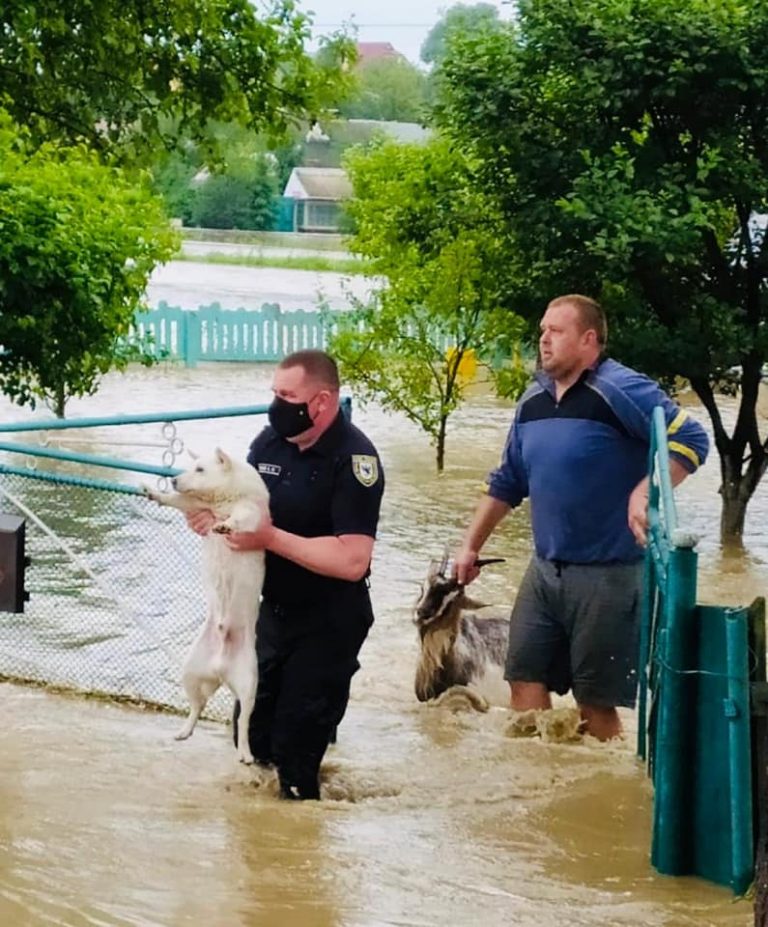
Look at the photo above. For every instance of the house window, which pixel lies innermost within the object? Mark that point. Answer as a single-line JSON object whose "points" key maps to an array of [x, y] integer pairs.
{"points": [[319, 216]]}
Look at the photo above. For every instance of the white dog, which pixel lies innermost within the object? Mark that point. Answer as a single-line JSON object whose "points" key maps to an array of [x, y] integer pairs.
{"points": [[224, 651]]}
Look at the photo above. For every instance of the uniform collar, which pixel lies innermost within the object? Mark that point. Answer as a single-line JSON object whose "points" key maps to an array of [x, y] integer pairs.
{"points": [[331, 438]]}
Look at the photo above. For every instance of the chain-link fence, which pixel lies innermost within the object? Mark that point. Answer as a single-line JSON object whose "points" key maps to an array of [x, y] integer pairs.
{"points": [[115, 596]]}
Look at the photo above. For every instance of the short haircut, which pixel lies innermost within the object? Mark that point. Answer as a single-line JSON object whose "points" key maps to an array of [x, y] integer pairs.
{"points": [[590, 312], [317, 365]]}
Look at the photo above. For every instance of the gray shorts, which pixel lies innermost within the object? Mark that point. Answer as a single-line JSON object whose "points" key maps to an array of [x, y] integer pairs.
{"points": [[575, 626]]}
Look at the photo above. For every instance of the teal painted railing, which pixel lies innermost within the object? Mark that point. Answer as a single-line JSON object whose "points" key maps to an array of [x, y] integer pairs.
{"points": [[693, 706], [114, 580], [93, 460]]}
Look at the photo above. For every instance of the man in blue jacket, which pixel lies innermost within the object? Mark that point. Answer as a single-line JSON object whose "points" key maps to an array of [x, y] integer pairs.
{"points": [[578, 449]]}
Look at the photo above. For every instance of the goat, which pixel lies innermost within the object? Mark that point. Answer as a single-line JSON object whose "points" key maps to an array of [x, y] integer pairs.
{"points": [[463, 642]]}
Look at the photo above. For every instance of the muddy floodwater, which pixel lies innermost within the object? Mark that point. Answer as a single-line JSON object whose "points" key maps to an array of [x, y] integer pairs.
{"points": [[431, 817]]}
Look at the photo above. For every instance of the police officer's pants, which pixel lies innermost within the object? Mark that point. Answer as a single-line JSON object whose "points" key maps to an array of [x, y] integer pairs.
{"points": [[307, 657]]}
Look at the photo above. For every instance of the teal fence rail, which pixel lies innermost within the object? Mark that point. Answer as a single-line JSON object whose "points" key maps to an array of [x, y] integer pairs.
{"points": [[115, 596], [694, 724]]}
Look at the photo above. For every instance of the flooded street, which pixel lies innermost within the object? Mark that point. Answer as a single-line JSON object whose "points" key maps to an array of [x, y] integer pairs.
{"points": [[430, 818], [190, 284]]}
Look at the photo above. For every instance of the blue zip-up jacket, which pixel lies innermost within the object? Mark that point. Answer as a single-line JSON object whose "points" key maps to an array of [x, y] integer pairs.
{"points": [[578, 460]]}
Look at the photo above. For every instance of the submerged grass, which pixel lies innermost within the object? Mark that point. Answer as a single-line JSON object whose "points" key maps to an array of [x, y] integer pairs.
{"points": [[311, 262], [74, 692]]}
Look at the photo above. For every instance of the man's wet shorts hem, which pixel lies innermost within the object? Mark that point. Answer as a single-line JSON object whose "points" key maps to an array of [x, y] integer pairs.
{"points": [[575, 627]]}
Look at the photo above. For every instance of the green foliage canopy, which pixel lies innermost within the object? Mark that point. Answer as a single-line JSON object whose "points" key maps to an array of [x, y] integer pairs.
{"points": [[427, 230], [78, 241], [110, 72], [242, 198], [462, 19], [626, 146], [388, 89], [239, 191]]}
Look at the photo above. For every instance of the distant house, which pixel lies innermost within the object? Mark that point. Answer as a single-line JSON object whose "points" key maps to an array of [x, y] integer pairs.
{"points": [[375, 51], [317, 194]]}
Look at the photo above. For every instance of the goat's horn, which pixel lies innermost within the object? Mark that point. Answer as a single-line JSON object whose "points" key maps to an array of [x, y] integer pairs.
{"points": [[486, 561]]}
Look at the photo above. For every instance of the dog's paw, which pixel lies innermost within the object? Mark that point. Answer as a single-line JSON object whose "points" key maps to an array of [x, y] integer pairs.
{"points": [[246, 757], [150, 493], [222, 528]]}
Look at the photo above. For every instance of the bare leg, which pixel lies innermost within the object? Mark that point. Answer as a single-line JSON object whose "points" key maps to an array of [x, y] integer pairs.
{"points": [[600, 722], [527, 695]]}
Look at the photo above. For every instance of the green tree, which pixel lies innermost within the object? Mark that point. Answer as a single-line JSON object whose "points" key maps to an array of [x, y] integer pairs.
{"points": [[78, 241], [112, 73], [427, 230], [388, 89], [626, 147], [462, 19], [243, 183], [172, 174], [244, 197]]}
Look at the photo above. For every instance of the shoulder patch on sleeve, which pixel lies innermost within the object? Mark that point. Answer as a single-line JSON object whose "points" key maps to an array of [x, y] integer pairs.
{"points": [[365, 468]]}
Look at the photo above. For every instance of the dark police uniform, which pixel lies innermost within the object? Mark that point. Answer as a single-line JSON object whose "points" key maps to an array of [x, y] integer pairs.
{"points": [[310, 627]]}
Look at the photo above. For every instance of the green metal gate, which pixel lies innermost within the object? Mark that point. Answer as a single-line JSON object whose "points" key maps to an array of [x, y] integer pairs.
{"points": [[694, 727]]}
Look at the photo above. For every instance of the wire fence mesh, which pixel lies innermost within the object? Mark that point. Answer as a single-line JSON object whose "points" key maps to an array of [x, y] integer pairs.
{"points": [[115, 596]]}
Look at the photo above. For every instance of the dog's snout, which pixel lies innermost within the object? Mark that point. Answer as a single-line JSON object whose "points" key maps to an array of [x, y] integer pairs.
{"points": [[173, 482]]}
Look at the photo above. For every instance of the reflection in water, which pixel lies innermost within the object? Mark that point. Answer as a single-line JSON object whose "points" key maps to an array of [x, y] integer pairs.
{"points": [[432, 817]]}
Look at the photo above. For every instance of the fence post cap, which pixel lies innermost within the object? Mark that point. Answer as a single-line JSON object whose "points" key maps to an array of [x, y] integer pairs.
{"points": [[680, 537]]}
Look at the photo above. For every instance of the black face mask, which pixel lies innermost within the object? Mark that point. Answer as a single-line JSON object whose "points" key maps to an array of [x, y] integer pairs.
{"points": [[289, 418]]}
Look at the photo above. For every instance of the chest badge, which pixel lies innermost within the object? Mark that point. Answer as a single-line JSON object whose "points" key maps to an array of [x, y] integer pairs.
{"points": [[269, 469], [365, 468]]}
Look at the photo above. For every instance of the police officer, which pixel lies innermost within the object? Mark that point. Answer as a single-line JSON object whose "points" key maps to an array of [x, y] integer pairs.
{"points": [[325, 482]]}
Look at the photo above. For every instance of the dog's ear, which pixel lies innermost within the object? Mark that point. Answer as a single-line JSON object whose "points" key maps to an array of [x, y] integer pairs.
{"points": [[192, 454], [223, 458]]}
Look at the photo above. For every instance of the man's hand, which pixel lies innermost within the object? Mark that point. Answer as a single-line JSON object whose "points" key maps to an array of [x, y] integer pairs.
{"points": [[252, 540], [637, 513], [201, 521], [465, 566]]}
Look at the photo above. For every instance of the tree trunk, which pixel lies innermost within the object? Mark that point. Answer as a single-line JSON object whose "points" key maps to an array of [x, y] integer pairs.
{"points": [[737, 489], [743, 457], [60, 401], [733, 513], [441, 444]]}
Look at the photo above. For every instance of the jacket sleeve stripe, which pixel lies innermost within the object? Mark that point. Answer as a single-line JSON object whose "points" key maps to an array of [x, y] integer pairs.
{"points": [[677, 422], [677, 448]]}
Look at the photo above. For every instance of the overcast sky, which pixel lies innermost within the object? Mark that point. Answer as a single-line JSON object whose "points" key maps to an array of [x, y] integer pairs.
{"points": [[404, 23]]}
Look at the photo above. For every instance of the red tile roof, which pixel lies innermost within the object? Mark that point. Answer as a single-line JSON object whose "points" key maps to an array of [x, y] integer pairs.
{"points": [[373, 51]]}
